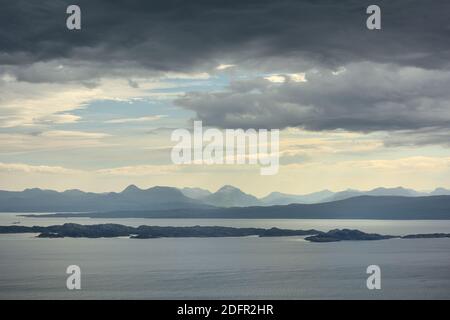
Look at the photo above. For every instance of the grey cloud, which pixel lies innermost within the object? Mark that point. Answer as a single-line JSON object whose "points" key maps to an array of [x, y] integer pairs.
{"points": [[422, 137], [75, 71], [165, 35], [133, 84], [295, 158], [366, 97]]}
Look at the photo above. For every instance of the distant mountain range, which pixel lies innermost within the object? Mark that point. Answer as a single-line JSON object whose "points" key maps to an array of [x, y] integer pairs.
{"points": [[133, 198], [229, 196], [361, 207]]}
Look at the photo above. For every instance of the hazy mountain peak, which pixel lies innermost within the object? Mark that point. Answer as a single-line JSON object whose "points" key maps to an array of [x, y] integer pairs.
{"points": [[396, 191], [440, 192], [38, 191], [229, 196], [399, 188], [275, 194], [131, 188], [195, 193], [73, 191], [164, 190], [228, 188], [278, 198], [32, 190]]}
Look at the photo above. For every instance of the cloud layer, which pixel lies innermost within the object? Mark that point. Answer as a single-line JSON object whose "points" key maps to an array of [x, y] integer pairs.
{"points": [[168, 35], [365, 97], [394, 79], [352, 102]]}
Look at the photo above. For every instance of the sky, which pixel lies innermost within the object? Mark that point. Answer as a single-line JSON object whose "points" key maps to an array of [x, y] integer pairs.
{"points": [[94, 109]]}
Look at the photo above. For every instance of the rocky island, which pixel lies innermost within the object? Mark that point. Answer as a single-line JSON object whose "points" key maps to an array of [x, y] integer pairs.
{"points": [[109, 230], [346, 234]]}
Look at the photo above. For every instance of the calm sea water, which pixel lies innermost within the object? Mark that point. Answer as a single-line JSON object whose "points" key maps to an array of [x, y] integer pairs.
{"points": [[398, 227], [227, 268]]}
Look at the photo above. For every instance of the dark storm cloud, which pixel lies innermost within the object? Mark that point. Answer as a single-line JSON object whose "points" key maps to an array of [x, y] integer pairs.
{"points": [[185, 35], [396, 78], [365, 97]]}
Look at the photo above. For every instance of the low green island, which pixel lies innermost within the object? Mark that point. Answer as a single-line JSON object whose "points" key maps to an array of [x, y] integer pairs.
{"points": [[109, 230]]}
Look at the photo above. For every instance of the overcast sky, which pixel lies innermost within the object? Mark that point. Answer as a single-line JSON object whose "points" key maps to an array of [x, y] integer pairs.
{"points": [[94, 109]]}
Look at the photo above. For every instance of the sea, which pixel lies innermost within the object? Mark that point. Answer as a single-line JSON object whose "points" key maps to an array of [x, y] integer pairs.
{"points": [[226, 268]]}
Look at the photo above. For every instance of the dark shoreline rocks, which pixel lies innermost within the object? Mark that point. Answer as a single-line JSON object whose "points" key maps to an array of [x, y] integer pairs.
{"points": [[347, 234], [74, 230], [427, 236], [110, 230], [50, 235]]}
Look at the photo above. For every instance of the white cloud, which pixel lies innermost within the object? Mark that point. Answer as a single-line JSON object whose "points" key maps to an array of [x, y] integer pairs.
{"points": [[60, 118], [298, 77], [139, 170], [140, 119], [186, 76], [281, 78], [51, 141], [225, 66], [26, 168], [276, 78], [74, 134], [339, 71], [428, 164]]}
